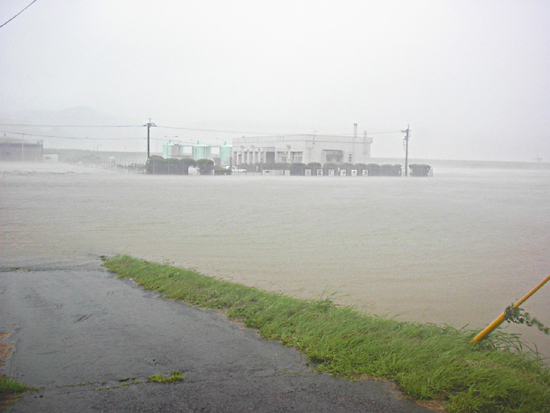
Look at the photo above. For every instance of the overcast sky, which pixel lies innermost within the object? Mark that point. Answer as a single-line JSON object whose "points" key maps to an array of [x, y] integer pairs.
{"points": [[471, 78]]}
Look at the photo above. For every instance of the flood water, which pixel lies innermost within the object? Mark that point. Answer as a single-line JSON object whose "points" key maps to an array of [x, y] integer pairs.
{"points": [[456, 248]]}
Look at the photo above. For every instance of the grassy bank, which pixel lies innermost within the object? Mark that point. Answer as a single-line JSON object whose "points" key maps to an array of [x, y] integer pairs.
{"points": [[428, 362], [10, 386], [10, 389]]}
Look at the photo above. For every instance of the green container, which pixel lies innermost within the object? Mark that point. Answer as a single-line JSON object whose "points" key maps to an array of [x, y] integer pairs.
{"points": [[201, 151], [225, 154]]}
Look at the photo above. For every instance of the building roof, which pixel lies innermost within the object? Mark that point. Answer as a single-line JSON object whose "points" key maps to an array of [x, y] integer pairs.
{"points": [[9, 139]]}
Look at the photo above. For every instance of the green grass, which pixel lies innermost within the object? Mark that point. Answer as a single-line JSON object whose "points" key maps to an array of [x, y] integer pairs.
{"points": [[11, 386], [10, 390], [172, 378], [429, 362]]}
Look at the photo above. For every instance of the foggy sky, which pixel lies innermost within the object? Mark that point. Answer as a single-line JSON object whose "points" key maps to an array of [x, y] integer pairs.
{"points": [[471, 78]]}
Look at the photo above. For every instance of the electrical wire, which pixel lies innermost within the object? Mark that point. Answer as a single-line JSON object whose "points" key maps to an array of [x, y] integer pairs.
{"points": [[68, 137], [34, 1], [269, 134], [71, 126], [152, 138], [215, 130], [382, 133], [243, 133], [263, 134]]}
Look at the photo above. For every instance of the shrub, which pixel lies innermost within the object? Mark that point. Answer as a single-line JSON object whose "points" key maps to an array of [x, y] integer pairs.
{"points": [[314, 165], [348, 167], [206, 166], [174, 166], [360, 168], [420, 169], [374, 169], [298, 169], [330, 165], [278, 166], [386, 170], [186, 163], [396, 170], [156, 165]]}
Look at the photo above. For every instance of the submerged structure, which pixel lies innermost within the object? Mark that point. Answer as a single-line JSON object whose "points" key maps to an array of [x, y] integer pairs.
{"points": [[301, 149], [221, 154], [421, 170], [282, 149], [21, 150]]}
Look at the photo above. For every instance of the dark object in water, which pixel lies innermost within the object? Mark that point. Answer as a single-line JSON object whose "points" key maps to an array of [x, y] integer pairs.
{"points": [[421, 170]]}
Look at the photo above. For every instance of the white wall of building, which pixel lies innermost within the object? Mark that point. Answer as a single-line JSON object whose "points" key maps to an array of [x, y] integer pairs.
{"points": [[301, 149]]}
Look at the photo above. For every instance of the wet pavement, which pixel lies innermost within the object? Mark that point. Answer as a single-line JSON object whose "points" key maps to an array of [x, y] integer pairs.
{"points": [[89, 341]]}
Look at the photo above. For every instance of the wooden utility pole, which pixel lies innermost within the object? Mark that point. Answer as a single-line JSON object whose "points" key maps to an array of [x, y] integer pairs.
{"points": [[149, 125], [406, 144]]}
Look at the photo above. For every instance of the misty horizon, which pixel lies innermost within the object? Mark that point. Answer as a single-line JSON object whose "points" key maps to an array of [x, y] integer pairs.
{"points": [[469, 78]]}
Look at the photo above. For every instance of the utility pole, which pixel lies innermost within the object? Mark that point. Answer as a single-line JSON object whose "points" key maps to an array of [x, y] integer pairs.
{"points": [[352, 160], [406, 145], [149, 124]]}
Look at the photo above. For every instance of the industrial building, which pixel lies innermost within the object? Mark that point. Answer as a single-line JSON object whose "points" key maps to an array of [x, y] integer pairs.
{"points": [[178, 150], [284, 149], [301, 149], [21, 150]]}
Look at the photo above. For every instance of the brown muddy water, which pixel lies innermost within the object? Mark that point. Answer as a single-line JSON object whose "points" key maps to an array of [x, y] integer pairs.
{"points": [[455, 249]]}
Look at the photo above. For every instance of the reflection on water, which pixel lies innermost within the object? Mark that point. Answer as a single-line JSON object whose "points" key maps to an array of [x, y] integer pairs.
{"points": [[456, 248]]}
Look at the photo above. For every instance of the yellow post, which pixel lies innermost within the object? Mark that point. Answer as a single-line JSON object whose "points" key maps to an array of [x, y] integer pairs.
{"points": [[498, 321]]}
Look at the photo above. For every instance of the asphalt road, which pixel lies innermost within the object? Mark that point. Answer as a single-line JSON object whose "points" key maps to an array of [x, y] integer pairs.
{"points": [[79, 332]]}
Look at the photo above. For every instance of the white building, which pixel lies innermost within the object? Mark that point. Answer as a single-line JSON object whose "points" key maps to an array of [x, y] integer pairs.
{"points": [[301, 149]]}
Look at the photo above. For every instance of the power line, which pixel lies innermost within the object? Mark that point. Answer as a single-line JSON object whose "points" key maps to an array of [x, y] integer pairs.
{"points": [[215, 130], [138, 126], [261, 134], [66, 137], [381, 133], [18, 14], [71, 126], [267, 134]]}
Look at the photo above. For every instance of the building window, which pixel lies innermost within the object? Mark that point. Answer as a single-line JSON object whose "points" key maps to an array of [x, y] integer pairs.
{"points": [[282, 157], [333, 156], [296, 157]]}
